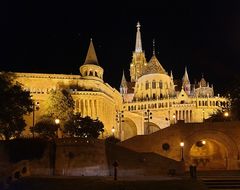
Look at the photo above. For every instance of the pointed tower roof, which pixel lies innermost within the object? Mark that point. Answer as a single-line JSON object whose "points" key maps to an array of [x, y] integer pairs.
{"points": [[154, 66], [185, 76], [171, 75], [124, 81], [138, 46], [91, 57], [203, 82]]}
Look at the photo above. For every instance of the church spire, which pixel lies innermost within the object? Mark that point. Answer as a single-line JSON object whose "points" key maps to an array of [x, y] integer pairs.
{"points": [[138, 47], [91, 57], [124, 81]]}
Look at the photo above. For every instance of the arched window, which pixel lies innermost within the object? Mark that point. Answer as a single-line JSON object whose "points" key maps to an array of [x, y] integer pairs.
{"points": [[96, 74], [147, 85], [90, 73], [160, 84], [154, 96], [161, 96], [154, 84]]}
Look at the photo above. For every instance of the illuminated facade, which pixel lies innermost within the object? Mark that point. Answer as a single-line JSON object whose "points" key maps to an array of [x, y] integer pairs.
{"points": [[151, 100], [91, 95]]}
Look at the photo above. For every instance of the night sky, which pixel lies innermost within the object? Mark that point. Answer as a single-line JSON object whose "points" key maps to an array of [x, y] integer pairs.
{"points": [[53, 37]]}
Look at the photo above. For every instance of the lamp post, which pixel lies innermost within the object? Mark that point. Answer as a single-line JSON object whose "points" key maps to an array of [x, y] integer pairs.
{"points": [[113, 131], [57, 121], [182, 145], [119, 119], [203, 114], [174, 118], [226, 115], [148, 115], [35, 106]]}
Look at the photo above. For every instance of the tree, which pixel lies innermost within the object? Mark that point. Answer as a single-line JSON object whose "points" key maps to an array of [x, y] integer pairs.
{"points": [[83, 127], [234, 92], [15, 102], [60, 105], [46, 127]]}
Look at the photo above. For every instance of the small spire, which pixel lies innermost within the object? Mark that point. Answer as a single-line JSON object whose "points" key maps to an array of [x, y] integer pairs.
{"points": [[153, 46], [91, 57], [171, 75], [138, 46], [185, 77], [124, 81]]}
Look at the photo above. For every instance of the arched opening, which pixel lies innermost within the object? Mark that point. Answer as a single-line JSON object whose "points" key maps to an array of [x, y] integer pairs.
{"points": [[220, 151], [209, 154], [129, 129], [150, 128]]}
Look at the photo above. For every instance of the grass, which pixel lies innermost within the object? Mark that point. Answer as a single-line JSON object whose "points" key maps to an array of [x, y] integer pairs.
{"points": [[101, 183]]}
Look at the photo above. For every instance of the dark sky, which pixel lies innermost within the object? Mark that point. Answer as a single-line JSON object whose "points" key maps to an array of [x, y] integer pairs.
{"points": [[53, 36]]}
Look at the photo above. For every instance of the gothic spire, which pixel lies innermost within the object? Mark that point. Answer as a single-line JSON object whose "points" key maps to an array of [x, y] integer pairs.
{"points": [[185, 76], [138, 47], [91, 57], [124, 81]]}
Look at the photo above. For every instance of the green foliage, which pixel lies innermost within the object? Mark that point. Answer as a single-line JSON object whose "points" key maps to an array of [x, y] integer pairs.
{"points": [[25, 149], [218, 116], [15, 102], [234, 92], [60, 105], [83, 127], [46, 127]]}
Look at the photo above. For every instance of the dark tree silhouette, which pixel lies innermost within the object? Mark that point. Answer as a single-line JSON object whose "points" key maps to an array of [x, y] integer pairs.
{"points": [[15, 102], [46, 128], [83, 127]]}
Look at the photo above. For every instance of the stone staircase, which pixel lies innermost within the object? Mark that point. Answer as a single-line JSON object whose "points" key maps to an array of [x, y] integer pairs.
{"points": [[220, 180]]}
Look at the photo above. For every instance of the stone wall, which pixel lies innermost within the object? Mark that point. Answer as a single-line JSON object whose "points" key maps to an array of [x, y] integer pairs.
{"points": [[226, 134]]}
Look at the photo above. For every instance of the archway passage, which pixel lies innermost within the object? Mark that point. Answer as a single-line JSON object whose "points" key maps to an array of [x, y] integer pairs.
{"points": [[208, 154], [129, 129], [150, 128]]}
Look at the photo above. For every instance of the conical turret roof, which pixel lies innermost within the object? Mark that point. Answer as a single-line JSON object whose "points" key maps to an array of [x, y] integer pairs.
{"points": [[91, 57]]}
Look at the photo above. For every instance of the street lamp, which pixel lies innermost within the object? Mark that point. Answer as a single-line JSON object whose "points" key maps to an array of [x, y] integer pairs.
{"points": [[174, 118], [148, 115], [113, 131], [35, 106], [182, 145], [57, 121]]}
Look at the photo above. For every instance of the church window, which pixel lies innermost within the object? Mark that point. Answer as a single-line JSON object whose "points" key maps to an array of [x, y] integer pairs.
{"points": [[147, 85], [154, 84], [160, 84], [96, 73], [154, 96], [199, 103], [90, 73], [147, 96], [161, 96]]}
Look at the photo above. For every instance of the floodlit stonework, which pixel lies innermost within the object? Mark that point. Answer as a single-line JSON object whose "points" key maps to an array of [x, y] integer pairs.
{"points": [[93, 97], [149, 102], [152, 88]]}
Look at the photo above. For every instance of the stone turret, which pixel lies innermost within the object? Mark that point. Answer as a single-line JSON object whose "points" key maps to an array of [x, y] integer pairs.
{"points": [[186, 82], [91, 68]]}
